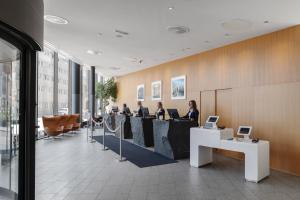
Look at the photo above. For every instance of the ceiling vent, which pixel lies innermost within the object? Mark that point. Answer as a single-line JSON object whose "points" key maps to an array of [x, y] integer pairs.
{"points": [[115, 68], [237, 25], [178, 29], [121, 32]]}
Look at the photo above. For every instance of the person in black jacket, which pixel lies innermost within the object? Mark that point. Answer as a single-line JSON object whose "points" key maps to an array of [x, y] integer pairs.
{"points": [[193, 113], [160, 111], [126, 110], [140, 109]]}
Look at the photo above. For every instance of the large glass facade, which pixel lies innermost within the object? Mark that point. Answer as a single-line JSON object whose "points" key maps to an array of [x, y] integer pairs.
{"points": [[45, 82], [9, 119], [85, 92], [63, 85]]}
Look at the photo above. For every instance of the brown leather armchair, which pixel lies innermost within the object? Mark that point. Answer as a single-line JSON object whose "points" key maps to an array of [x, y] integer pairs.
{"points": [[53, 126], [74, 120], [67, 123]]}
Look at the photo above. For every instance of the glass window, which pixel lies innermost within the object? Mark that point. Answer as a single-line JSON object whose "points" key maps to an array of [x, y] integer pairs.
{"points": [[85, 94], [9, 119], [63, 85], [45, 82]]}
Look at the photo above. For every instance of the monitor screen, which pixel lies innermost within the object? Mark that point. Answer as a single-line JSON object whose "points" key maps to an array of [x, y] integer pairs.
{"points": [[115, 108], [244, 130], [145, 111], [173, 113], [212, 119]]}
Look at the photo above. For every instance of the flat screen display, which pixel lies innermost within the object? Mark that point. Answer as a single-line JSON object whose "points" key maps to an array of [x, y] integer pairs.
{"points": [[244, 130], [173, 113], [145, 111], [212, 119]]}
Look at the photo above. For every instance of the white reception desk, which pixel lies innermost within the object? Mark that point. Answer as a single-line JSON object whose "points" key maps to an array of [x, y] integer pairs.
{"points": [[256, 154]]}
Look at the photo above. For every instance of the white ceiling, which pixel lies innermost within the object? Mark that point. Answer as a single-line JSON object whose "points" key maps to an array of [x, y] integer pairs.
{"points": [[146, 21]]}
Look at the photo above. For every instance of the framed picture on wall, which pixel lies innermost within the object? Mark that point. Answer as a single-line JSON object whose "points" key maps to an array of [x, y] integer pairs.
{"points": [[140, 92], [178, 87], [156, 90]]}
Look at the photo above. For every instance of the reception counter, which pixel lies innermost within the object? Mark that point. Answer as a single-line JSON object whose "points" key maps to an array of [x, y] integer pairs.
{"points": [[127, 134], [142, 131], [172, 138]]}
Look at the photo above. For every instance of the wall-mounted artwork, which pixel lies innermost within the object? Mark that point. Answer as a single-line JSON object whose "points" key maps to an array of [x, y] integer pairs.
{"points": [[156, 90], [178, 87], [140, 92]]}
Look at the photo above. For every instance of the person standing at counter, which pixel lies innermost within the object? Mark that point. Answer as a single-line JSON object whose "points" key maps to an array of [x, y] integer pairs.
{"points": [[193, 113], [160, 113], [140, 107], [126, 110]]}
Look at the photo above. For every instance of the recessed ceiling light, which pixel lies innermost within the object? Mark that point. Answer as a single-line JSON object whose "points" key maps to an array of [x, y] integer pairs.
{"points": [[92, 52], [99, 34], [186, 49], [237, 25], [266, 22], [171, 8], [115, 68], [206, 41], [55, 19], [178, 29], [119, 36], [227, 35]]}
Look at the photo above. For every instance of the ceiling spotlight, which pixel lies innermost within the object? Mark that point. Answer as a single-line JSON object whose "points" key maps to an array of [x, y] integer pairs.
{"points": [[178, 29], [171, 8], [237, 25], [227, 34], [206, 41], [185, 49], [119, 36], [55, 19], [99, 34], [91, 52], [266, 22], [115, 68]]}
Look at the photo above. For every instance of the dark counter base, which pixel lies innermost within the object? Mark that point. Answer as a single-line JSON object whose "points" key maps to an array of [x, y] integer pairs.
{"points": [[172, 138], [142, 131]]}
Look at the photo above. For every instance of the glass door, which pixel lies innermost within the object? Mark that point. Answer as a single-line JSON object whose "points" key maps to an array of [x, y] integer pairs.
{"points": [[9, 120]]}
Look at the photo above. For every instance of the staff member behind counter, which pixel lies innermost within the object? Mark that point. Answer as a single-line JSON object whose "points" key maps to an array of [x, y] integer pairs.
{"points": [[126, 109], [140, 109], [160, 113], [193, 113]]}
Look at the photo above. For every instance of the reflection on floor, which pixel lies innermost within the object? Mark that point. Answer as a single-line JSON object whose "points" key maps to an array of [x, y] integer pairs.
{"points": [[73, 169]]}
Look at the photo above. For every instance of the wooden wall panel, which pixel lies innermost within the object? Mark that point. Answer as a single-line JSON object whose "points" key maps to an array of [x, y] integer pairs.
{"points": [[264, 74], [207, 105]]}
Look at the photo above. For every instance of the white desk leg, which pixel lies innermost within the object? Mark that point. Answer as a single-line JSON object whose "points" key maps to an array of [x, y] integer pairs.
{"points": [[200, 156], [257, 164]]}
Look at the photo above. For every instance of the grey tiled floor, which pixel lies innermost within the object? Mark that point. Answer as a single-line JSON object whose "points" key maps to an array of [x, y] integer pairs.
{"points": [[73, 169]]}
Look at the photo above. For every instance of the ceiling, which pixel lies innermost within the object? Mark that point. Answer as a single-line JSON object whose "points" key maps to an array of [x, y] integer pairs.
{"points": [[149, 43]]}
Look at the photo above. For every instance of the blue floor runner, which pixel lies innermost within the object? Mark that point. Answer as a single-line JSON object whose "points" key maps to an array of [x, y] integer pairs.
{"points": [[139, 156]]}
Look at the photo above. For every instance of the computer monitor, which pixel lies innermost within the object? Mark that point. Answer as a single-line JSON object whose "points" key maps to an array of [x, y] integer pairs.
{"points": [[114, 109], [212, 119], [173, 113], [245, 131], [145, 112]]}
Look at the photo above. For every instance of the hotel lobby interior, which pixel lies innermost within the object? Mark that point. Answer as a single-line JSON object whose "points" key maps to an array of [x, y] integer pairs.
{"points": [[149, 100]]}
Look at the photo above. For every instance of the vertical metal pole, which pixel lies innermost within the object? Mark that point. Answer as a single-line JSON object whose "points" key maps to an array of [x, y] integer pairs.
{"points": [[87, 131], [121, 134], [103, 139], [121, 130]]}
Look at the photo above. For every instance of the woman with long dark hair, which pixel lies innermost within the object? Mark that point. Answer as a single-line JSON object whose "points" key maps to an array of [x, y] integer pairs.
{"points": [[160, 113], [193, 113]]}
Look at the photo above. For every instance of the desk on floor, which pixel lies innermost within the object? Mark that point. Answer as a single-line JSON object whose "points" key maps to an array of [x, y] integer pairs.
{"points": [[203, 140]]}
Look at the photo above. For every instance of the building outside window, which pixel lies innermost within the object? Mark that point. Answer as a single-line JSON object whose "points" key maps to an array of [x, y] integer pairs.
{"points": [[85, 94], [45, 82], [63, 84]]}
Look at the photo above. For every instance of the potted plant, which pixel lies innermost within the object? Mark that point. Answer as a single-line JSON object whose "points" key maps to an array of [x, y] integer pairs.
{"points": [[106, 91]]}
